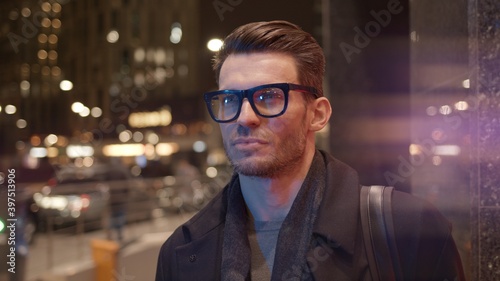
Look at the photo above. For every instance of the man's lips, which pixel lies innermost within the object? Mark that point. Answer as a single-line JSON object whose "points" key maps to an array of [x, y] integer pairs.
{"points": [[246, 143]]}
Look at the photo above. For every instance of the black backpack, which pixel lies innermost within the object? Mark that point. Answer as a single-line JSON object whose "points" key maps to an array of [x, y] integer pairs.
{"points": [[378, 232]]}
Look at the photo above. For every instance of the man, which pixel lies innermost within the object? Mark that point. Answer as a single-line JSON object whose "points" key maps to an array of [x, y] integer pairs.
{"points": [[290, 212]]}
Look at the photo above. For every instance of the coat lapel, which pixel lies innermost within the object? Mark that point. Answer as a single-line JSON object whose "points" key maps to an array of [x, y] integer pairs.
{"points": [[200, 259], [335, 232]]}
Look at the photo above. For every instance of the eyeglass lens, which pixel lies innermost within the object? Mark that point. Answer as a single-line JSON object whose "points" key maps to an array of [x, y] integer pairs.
{"points": [[266, 102]]}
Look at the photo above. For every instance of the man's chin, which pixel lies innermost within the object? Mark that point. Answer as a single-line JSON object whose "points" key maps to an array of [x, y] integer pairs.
{"points": [[254, 167], [244, 164], [252, 171]]}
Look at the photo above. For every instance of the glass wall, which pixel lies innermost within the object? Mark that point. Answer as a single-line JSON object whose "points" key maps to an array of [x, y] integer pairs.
{"points": [[398, 74], [440, 112]]}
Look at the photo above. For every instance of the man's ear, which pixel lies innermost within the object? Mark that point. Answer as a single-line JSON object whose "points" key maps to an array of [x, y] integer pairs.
{"points": [[322, 111]]}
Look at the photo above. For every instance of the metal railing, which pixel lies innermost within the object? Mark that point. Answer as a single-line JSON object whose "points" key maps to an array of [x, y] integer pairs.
{"points": [[151, 205]]}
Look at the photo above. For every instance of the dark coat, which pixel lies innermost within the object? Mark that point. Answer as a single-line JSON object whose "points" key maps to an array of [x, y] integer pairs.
{"points": [[426, 248]]}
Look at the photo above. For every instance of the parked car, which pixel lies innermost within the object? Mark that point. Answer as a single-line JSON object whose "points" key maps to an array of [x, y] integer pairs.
{"points": [[187, 194], [87, 194]]}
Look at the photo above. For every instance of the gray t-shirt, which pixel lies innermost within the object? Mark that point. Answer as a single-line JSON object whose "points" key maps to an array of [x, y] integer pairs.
{"points": [[263, 236]]}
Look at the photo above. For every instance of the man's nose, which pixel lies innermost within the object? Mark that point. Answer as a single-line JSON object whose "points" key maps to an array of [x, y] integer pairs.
{"points": [[248, 117]]}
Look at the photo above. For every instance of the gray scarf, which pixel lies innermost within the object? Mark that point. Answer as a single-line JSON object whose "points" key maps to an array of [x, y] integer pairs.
{"points": [[295, 236]]}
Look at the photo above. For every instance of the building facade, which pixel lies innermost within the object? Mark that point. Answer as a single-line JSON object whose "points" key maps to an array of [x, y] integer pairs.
{"points": [[77, 70]]}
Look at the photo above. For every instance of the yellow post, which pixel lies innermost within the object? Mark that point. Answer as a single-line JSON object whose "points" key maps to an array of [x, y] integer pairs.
{"points": [[104, 253]]}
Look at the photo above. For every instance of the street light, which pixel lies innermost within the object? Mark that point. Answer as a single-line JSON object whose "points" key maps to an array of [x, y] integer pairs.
{"points": [[214, 45], [113, 36], [84, 112], [176, 33], [21, 123], [66, 85], [96, 112], [10, 109], [77, 107]]}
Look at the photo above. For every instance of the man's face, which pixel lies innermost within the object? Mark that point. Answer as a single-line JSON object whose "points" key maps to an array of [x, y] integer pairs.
{"points": [[258, 146]]}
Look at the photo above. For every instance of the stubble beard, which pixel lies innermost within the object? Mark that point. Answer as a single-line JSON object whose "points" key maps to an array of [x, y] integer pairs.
{"points": [[282, 161]]}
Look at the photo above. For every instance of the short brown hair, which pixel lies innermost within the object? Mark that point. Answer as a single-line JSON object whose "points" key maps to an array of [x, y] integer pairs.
{"points": [[277, 36]]}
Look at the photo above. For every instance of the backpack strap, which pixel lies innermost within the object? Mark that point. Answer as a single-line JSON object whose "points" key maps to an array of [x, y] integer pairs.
{"points": [[378, 233]]}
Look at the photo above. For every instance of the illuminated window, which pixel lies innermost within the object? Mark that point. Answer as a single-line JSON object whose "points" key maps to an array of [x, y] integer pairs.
{"points": [[56, 7], [46, 22], [56, 23], [42, 38], [42, 54], [53, 39], [46, 7]]}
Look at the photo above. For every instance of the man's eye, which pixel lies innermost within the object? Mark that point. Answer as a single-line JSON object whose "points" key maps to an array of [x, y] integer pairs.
{"points": [[270, 94], [229, 99]]}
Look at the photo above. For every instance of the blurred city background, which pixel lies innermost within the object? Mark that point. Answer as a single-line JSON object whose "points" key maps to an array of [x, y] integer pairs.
{"points": [[102, 118]]}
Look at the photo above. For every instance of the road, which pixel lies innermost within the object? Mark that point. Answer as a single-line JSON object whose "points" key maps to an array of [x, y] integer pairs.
{"points": [[55, 249]]}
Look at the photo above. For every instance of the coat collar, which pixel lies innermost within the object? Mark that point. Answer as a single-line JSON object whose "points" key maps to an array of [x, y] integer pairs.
{"points": [[210, 217], [338, 216]]}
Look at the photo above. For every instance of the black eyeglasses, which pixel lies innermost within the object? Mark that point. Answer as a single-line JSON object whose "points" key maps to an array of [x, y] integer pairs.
{"points": [[270, 100]]}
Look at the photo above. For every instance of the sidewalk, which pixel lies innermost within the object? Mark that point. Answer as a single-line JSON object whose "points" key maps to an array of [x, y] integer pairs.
{"points": [[64, 251]]}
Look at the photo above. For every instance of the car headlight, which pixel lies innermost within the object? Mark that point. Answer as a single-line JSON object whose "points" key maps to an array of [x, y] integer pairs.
{"points": [[51, 202]]}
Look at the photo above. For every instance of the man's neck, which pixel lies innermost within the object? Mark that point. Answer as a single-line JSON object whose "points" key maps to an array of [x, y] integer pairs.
{"points": [[270, 199]]}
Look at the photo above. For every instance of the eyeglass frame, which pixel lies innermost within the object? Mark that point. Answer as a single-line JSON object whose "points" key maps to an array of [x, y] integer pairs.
{"points": [[248, 94]]}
